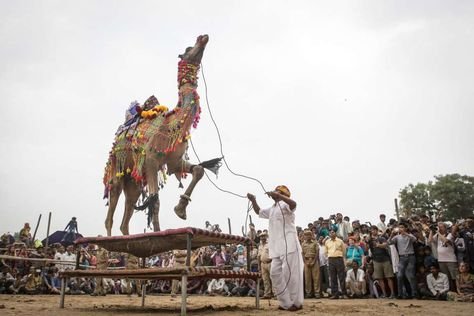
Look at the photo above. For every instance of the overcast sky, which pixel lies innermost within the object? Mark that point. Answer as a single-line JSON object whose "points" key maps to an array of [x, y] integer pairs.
{"points": [[345, 102]]}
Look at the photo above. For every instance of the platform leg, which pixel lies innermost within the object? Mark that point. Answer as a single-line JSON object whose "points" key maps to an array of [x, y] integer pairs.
{"points": [[184, 293], [257, 295], [63, 292], [143, 292]]}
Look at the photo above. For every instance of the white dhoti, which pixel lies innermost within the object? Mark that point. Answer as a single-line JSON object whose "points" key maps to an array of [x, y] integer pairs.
{"points": [[284, 268]]}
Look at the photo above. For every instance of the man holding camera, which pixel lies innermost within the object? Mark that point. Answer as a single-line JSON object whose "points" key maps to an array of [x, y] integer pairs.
{"points": [[407, 261]]}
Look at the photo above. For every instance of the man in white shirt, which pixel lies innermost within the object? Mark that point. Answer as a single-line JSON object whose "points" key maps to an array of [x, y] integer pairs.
{"points": [[447, 259], [69, 258], [382, 226], [355, 281], [284, 248], [438, 283]]}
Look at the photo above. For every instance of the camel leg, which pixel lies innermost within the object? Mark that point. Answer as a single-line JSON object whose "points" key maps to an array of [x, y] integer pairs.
{"points": [[154, 189], [198, 173], [132, 192], [114, 195], [156, 210]]}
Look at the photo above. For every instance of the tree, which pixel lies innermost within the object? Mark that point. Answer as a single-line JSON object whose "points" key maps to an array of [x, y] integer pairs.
{"points": [[450, 196]]}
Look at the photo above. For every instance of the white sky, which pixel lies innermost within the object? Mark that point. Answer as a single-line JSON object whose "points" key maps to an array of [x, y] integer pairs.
{"points": [[345, 102]]}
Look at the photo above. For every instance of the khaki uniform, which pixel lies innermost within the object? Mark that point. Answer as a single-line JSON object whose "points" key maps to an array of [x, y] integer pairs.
{"points": [[311, 266], [265, 263], [102, 264], [179, 261], [132, 263]]}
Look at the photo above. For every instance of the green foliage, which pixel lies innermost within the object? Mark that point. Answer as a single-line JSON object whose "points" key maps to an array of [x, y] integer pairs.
{"points": [[450, 196]]}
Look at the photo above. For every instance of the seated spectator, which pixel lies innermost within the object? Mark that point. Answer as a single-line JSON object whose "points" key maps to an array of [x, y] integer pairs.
{"points": [[464, 285], [51, 282], [422, 286], [33, 282], [218, 287], [438, 284], [355, 281], [6, 280], [25, 235], [353, 253], [244, 287]]}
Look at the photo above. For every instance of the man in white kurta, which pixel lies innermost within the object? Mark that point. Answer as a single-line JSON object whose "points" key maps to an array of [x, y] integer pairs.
{"points": [[286, 270]]}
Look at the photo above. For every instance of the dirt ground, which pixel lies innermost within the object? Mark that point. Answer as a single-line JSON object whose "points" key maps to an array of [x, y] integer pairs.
{"points": [[204, 305]]}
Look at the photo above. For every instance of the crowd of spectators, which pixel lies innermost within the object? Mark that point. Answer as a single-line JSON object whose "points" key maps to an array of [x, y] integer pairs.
{"points": [[410, 258]]}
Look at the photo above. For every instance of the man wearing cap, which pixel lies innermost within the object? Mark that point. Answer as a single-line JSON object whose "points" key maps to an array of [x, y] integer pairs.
{"points": [[265, 262], [284, 248], [311, 265]]}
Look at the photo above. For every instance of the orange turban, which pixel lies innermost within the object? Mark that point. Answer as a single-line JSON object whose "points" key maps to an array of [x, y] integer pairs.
{"points": [[283, 190]]}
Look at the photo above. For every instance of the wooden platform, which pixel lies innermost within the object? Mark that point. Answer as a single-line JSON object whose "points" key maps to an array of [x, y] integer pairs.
{"points": [[148, 244]]}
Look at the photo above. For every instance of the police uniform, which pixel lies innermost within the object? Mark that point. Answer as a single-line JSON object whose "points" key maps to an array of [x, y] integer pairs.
{"points": [[265, 262], [179, 258], [311, 265], [102, 264]]}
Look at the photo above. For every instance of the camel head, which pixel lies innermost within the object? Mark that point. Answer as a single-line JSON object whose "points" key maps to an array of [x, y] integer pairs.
{"points": [[194, 54]]}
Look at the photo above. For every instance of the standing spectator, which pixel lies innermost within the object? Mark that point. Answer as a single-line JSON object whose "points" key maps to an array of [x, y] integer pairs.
{"points": [[311, 265], [381, 261], [287, 264], [355, 281], [324, 229], [448, 263], [178, 260], [69, 258], [323, 267], [438, 283], [459, 244], [382, 227], [218, 258], [407, 261], [343, 227], [265, 261], [102, 264], [353, 253], [335, 249], [252, 233]]}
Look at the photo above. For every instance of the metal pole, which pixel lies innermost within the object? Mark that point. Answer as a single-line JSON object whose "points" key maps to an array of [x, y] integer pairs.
{"points": [[230, 227], [47, 231], [36, 229], [396, 209], [184, 292]]}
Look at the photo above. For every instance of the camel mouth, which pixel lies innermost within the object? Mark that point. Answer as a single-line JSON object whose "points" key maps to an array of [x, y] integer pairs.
{"points": [[194, 54]]}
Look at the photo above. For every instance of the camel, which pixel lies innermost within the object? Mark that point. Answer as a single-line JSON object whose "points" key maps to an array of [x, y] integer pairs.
{"points": [[156, 145]]}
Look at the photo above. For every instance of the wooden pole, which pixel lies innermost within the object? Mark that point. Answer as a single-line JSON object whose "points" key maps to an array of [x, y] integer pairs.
{"points": [[396, 210], [63, 292], [36, 229], [230, 227], [47, 231]]}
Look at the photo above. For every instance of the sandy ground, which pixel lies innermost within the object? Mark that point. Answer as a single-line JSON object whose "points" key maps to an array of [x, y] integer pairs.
{"points": [[205, 305]]}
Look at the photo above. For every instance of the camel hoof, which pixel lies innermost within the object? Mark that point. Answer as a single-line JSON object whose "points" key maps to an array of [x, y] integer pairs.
{"points": [[180, 209]]}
